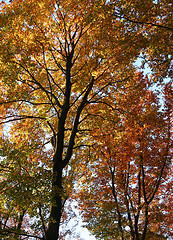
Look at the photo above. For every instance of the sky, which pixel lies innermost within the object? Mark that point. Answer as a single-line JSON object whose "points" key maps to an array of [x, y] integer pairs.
{"points": [[82, 231], [85, 234]]}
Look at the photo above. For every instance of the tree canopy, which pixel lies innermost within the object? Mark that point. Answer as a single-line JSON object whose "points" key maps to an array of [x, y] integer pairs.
{"points": [[123, 187], [73, 104]]}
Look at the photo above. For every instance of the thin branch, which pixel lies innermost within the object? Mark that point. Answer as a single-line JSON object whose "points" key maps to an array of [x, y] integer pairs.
{"points": [[144, 23], [48, 78], [42, 221], [83, 145], [83, 119], [6, 232], [27, 101], [108, 84], [58, 64], [50, 125], [113, 108], [157, 183], [79, 95], [21, 118], [116, 202], [39, 84]]}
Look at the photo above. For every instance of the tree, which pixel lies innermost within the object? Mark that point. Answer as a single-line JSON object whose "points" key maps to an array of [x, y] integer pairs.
{"points": [[54, 63], [123, 192]]}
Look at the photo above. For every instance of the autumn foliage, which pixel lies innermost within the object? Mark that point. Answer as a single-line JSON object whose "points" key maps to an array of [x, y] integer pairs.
{"points": [[79, 120], [122, 189]]}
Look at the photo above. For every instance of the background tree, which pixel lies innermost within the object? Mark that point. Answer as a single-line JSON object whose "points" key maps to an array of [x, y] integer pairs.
{"points": [[123, 188]]}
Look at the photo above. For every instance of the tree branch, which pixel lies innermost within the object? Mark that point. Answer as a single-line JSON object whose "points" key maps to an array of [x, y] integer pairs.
{"points": [[143, 23], [76, 123]]}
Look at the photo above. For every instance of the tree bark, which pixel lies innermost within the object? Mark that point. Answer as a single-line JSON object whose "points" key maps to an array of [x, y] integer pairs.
{"points": [[56, 204]]}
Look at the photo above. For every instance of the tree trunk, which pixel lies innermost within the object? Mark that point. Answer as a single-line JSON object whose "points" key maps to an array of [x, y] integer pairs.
{"points": [[56, 204]]}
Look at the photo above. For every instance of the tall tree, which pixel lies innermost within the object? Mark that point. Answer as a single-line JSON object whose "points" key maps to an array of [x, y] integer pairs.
{"points": [[56, 59], [124, 190]]}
